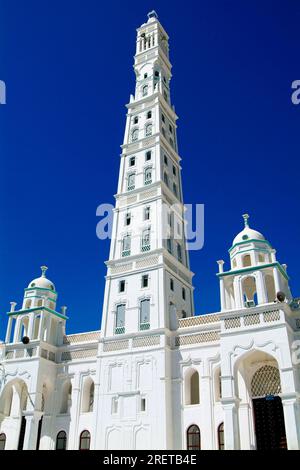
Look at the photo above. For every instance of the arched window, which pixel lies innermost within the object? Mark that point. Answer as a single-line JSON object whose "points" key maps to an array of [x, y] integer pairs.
{"points": [[145, 90], [145, 314], [88, 395], [249, 291], [146, 240], [193, 438], [134, 135], [28, 304], [218, 384], [66, 397], [148, 175], [85, 440], [221, 436], [192, 395], [126, 245], [148, 130], [24, 328], [120, 320], [37, 321], [40, 303], [270, 285], [2, 441], [61, 441], [131, 182], [246, 261]]}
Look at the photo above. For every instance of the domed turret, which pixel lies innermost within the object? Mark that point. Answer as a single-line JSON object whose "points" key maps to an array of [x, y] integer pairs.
{"points": [[42, 282], [247, 233], [40, 292], [255, 276]]}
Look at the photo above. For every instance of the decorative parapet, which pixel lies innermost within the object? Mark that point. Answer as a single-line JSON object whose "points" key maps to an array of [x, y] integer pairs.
{"points": [[82, 337], [198, 320]]}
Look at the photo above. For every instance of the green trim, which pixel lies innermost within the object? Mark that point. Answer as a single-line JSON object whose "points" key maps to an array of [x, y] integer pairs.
{"points": [[254, 268], [40, 288], [249, 241], [265, 250], [34, 309]]}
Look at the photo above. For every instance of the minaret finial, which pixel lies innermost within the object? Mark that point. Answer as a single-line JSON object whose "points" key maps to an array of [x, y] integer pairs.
{"points": [[246, 217], [44, 269], [152, 14]]}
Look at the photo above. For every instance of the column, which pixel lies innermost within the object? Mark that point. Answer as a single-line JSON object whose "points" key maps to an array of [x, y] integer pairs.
{"points": [[222, 295], [237, 293], [30, 326], [276, 280], [206, 399], [290, 403], [74, 414], [260, 288], [8, 331], [31, 432], [245, 424], [16, 332], [231, 423]]}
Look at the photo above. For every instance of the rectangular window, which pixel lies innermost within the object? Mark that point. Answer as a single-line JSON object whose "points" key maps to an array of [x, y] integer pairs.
{"points": [[163, 118], [169, 245], [149, 115], [120, 320], [132, 161], [166, 159], [143, 404], [148, 155], [179, 253], [174, 170], [171, 284], [114, 405], [163, 131], [135, 120], [147, 213], [128, 218], [131, 182], [122, 286], [183, 293], [145, 314], [170, 128], [145, 280]]}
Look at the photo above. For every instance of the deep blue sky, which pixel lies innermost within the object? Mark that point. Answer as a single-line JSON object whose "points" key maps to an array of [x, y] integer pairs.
{"points": [[68, 70]]}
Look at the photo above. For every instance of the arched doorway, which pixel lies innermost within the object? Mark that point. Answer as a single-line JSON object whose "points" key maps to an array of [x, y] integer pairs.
{"points": [[267, 409]]}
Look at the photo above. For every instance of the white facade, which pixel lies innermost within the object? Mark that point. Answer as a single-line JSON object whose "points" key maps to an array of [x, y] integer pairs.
{"points": [[156, 376]]}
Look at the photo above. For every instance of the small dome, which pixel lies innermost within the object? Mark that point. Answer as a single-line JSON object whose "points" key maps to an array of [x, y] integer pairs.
{"points": [[248, 233], [42, 281]]}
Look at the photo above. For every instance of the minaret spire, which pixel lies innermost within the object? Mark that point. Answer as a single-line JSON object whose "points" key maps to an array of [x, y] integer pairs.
{"points": [[246, 217], [44, 269]]}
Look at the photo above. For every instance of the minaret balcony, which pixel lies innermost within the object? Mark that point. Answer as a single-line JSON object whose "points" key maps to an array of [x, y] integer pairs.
{"points": [[126, 253], [145, 248], [119, 330]]}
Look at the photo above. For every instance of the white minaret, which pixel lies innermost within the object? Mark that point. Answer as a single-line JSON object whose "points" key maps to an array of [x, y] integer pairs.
{"points": [[149, 283]]}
